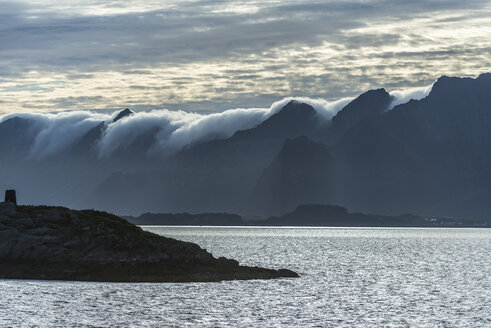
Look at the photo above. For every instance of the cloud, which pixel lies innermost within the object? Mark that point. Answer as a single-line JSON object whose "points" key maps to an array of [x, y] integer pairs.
{"points": [[121, 134], [170, 130], [57, 132], [403, 96], [213, 126], [326, 108], [211, 55], [176, 129], [101, 34]]}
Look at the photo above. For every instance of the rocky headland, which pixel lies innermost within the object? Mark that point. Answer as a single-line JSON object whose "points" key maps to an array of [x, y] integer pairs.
{"points": [[41, 242]]}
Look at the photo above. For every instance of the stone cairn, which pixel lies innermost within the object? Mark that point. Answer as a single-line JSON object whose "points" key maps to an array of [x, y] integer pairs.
{"points": [[10, 196]]}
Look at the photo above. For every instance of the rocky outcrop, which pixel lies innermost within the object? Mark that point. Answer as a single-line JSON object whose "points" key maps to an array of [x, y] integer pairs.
{"points": [[57, 243], [367, 105], [122, 114]]}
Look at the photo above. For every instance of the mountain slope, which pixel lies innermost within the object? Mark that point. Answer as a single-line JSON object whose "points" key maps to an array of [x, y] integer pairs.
{"points": [[302, 172], [429, 156], [214, 175], [425, 155], [367, 105]]}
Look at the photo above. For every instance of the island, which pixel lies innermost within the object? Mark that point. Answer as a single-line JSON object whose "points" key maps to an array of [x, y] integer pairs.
{"points": [[57, 243], [309, 215]]}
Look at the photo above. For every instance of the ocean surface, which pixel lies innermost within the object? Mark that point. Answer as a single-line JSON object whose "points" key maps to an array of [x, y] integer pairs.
{"points": [[350, 277]]}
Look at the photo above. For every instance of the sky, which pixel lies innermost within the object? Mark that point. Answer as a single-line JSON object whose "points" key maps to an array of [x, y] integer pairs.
{"points": [[209, 56]]}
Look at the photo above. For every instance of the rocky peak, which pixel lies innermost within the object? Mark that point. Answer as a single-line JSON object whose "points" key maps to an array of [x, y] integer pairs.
{"points": [[122, 114], [370, 103], [452, 87], [294, 119], [296, 108]]}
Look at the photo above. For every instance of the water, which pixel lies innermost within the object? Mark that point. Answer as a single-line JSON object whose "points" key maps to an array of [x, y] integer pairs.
{"points": [[349, 277]]}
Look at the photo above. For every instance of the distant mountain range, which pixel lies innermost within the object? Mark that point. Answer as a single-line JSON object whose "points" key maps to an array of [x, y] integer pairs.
{"points": [[429, 157], [312, 215]]}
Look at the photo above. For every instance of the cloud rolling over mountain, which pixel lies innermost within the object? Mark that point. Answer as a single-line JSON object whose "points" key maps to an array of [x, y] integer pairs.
{"points": [[56, 132], [426, 156]]}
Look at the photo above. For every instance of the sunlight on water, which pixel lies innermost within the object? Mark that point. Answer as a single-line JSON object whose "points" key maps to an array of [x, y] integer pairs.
{"points": [[349, 277]]}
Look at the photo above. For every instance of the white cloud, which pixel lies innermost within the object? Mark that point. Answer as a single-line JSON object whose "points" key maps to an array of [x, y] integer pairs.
{"points": [[202, 55], [57, 132], [403, 96], [172, 129]]}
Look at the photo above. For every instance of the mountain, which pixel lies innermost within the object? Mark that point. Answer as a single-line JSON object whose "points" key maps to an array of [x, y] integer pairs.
{"points": [[263, 141], [308, 215], [122, 114], [301, 172], [16, 134], [336, 216], [213, 175], [294, 119], [429, 157], [367, 105]]}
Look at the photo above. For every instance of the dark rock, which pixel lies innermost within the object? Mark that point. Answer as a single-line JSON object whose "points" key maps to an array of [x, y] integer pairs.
{"points": [[57, 243], [295, 119], [124, 113], [368, 104]]}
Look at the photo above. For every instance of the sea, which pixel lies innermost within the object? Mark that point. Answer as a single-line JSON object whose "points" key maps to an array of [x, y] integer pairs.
{"points": [[349, 277]]}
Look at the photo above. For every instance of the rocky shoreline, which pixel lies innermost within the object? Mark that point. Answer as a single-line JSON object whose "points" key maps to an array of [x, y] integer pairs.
{"points": [[56, 243]]}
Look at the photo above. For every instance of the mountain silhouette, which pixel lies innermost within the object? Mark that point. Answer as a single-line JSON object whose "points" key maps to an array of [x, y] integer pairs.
{"points": [[368, 104], [428, 157], [122, 114], [300, 173]]}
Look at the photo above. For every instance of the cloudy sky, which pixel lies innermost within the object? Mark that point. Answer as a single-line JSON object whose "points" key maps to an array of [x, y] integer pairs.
{"points": [[213, 55]]}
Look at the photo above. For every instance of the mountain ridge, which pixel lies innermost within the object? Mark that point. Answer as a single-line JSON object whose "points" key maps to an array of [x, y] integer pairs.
{"points": [[428, 156], [307, 215]]}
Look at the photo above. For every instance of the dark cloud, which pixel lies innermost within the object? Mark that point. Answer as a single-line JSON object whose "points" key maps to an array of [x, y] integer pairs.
{"points": [[264, 45], [191, 33]]}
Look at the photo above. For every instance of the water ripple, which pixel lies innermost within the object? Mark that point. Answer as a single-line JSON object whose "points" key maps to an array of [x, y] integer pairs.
{"points": [[349, 277]]}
